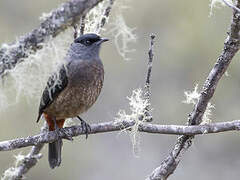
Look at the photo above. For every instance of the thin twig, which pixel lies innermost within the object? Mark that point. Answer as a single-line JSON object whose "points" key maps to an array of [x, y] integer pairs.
{"points": [[82, 25], [73, 131], [150, 62], [231, 46], [105, 15], [75, 34], [147, 92], [231, 5], [66, 15]]}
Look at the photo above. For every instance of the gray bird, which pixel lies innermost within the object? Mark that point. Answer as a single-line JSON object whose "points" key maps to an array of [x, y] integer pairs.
{"points": [[73, 90]]}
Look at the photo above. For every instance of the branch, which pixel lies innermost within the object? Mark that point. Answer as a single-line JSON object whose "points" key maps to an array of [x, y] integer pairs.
{"points": [[73, 131], [68, 14], [231, 5], [82, 25], [147, 92], [106, 14], [75, 34], [231, 46], [28, 162], [150, 61], [99, 25]]}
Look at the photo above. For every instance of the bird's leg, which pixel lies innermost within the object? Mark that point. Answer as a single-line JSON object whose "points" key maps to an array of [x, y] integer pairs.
{"points": [[57, 129], [85, 126], [55, 126]]}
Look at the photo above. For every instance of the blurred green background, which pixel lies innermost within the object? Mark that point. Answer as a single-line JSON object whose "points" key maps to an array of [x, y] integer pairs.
{"points": [[188, 43]]}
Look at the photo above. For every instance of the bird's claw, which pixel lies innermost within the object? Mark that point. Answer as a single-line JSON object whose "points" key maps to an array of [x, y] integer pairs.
{"points": [[58, 130], [67, 135], [85, 126]]}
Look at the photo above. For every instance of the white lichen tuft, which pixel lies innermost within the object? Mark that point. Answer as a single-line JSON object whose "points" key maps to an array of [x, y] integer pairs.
{"points": [[214, 4], [10, 174], [17, 170], [28, 78], [45, 16], [208, 113], [192, 97], [19, 159], [138, 105], [13, 172], [123, 35], [94, 17]]}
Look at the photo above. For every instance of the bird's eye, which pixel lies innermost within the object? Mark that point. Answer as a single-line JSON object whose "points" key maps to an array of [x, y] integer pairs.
{"points": [[87, 42]]}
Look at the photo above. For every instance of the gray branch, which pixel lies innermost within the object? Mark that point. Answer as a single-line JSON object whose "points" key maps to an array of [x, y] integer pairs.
{"points": [[82, 25], [231, 46], [68, 14], [231, 5], [147, 91], [106, 14], [111, 126], [29, 160]]}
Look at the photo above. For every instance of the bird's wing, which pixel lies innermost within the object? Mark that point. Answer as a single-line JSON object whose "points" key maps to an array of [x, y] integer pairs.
{"points": [[55, 85]]}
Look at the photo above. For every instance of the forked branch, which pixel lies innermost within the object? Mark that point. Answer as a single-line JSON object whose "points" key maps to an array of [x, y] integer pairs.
{"points": [[231, 46]]}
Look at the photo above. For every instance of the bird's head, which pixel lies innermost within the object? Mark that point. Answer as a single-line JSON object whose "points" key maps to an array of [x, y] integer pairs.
{"points": [[87, 45]]}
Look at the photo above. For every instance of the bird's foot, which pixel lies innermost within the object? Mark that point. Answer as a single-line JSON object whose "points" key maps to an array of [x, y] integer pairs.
{"points": [[85, 126], [67, 135], [63, 131]]}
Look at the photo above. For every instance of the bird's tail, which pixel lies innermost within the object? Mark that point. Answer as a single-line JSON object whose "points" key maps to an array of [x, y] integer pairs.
{"points": [[54, 148], [54, 153]]}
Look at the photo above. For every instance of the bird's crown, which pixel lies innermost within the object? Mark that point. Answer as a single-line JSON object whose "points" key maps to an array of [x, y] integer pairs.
{"points": [[87, 39]]}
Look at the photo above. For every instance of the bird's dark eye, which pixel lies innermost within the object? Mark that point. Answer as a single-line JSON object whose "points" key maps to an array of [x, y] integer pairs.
{"points": [[87, 39], [84, 42], [87, 42]]}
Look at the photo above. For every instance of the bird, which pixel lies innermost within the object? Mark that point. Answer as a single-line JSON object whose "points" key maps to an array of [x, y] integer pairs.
{"points": [[72, 89]]}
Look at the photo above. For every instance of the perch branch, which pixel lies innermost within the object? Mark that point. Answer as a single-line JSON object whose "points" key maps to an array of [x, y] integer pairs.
{"points": [[111, 126], [68, 14], [231, 46]]}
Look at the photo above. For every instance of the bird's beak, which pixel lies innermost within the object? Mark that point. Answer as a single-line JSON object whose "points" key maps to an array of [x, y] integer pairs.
{"points": [[102, 40]]}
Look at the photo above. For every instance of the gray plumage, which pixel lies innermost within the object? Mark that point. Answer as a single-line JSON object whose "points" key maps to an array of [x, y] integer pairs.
{"points": [[75, 87]]}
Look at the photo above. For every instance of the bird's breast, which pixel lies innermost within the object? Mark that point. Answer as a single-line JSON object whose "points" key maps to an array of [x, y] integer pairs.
{"points": [[84, 86]]}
